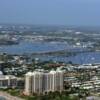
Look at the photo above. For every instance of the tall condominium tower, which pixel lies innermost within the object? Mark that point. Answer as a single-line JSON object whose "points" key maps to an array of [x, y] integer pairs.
{"points": [[33, 82], [28, 83], [59, 80], [53, 81], [39, 82]]}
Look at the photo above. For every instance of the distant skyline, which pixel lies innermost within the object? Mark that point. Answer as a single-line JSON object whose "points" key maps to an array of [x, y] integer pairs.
{"points": [[51, 12]]}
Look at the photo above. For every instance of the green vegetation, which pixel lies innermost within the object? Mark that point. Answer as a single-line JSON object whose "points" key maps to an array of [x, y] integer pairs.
{"points": [[49, 96], [52, 96]]}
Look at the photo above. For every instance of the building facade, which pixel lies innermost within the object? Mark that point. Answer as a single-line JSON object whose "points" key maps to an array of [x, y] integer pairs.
{"points": [[41, 82], [8, 81]]}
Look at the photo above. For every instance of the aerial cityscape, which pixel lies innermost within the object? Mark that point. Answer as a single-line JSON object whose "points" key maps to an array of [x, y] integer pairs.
{"points": [[38, 61], [49, 50]]}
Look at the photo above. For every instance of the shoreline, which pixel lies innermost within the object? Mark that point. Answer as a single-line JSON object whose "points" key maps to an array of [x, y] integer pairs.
{"points": [[8, 96]]}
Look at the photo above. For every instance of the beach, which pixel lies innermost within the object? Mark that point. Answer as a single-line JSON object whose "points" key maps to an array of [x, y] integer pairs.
{"points": [[8, 96]]}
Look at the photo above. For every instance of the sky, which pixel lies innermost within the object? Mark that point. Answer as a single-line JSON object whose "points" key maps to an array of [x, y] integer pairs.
{"points": [[53, 12]]}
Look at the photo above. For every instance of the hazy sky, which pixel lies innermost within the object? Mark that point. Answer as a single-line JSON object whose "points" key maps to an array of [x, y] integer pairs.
{"points": [[66, 12]]}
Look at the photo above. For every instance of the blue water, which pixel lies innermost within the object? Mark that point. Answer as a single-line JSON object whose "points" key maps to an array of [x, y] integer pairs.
{"points": [[82, 58], [29, 47]]}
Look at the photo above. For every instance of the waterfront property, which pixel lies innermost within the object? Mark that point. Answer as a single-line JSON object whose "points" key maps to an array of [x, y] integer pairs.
{"points": [[41, 82]]}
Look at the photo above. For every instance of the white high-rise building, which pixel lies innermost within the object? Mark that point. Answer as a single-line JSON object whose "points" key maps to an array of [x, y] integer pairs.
{"points": [[28, 83], [33, 82], [39, 82], [53, 81], [59, 80]]}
